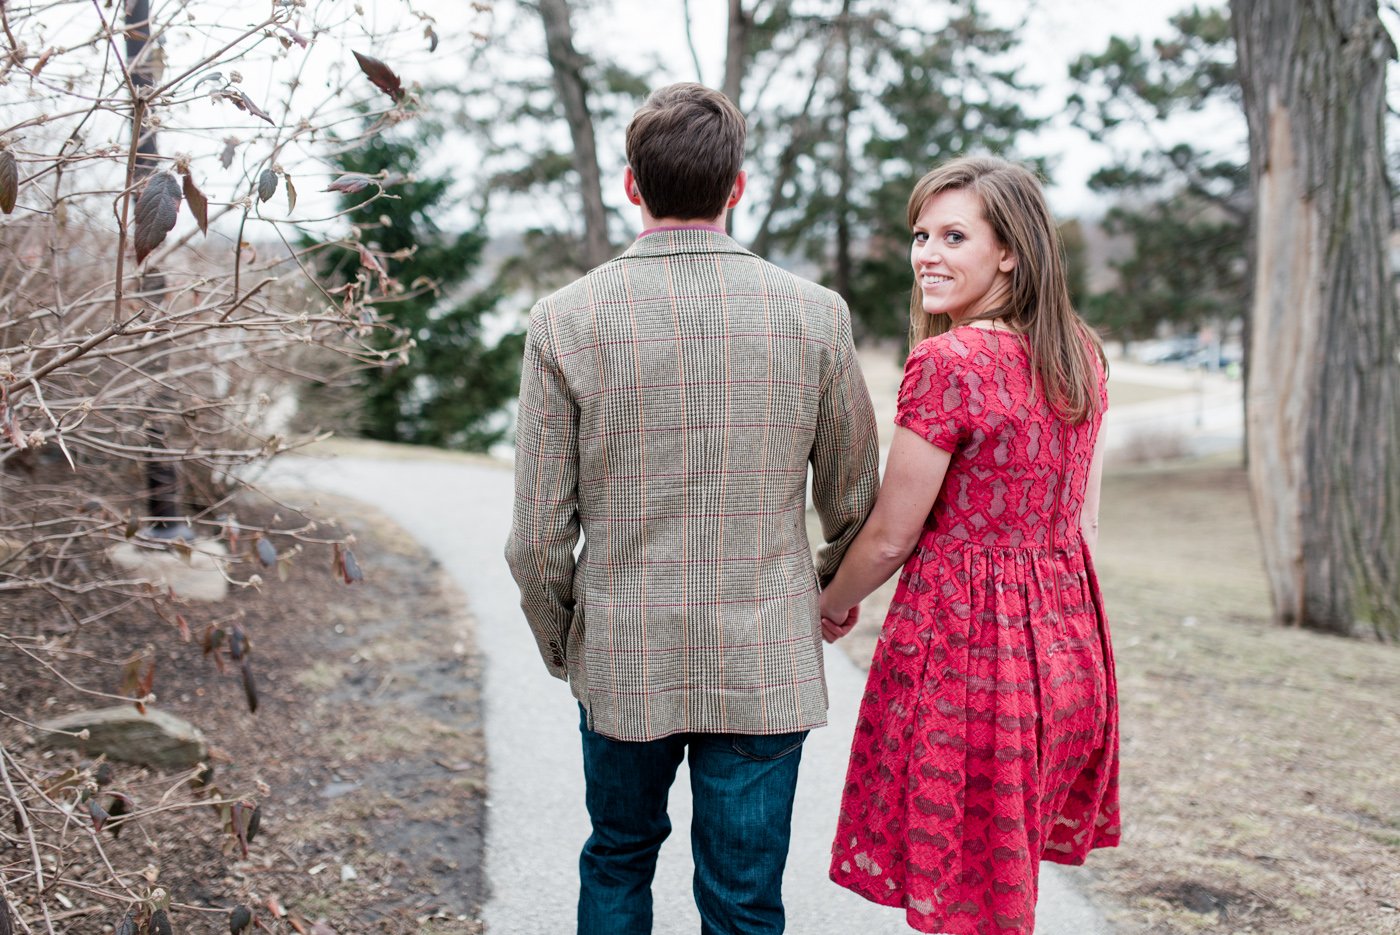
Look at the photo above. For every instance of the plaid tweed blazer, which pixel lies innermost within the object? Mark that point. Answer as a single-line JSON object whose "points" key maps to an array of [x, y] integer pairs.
{"points": [[670, 404]]}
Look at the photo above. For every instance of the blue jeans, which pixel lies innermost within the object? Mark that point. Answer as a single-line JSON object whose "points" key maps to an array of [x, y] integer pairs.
{"points": [[742, 787]]}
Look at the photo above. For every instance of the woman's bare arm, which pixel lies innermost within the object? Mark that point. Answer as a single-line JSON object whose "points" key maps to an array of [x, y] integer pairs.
{"points": [[1089, 516], [913, 476]]}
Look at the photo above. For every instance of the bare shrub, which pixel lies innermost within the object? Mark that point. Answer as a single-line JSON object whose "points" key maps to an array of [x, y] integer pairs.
{"points": [[156, 315]]}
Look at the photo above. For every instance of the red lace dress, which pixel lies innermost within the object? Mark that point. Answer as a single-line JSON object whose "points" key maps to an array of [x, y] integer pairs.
{"points": [[988, 737]]}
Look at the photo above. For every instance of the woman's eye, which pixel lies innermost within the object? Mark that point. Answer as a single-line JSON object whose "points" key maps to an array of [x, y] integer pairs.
{"points": [[954, 237], [920, 237]]}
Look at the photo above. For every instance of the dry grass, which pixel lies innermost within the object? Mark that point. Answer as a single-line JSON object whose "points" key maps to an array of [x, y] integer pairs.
{"points": [[1261, 791]]}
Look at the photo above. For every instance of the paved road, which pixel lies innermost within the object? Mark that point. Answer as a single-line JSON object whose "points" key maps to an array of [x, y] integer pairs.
{"points": [[461, 513]]}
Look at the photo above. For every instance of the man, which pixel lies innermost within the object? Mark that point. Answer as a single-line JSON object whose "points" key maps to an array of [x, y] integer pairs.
{"points": [[670, 404]]}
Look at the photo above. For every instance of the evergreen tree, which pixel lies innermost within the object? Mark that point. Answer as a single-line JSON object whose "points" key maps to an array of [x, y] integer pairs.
{"points": [[890, 98], [450, 386], [1185, 209]]}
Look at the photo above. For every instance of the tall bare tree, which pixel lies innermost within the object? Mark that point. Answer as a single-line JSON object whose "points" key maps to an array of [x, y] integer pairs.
{"points": [[1323, 397], [568, 66]]}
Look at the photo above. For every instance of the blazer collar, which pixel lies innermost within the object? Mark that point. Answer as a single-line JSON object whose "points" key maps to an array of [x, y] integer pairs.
{"points": [[671, 241]]}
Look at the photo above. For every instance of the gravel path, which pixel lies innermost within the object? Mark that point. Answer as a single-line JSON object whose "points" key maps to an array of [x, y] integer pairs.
{"points": [[460, 512]]}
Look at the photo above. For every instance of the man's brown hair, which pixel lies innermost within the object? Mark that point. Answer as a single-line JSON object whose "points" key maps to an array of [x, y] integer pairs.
{"points": [[685, 146]]}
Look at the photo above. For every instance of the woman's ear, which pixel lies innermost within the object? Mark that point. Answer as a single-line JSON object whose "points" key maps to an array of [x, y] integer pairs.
{"points": [[1008, 260]]}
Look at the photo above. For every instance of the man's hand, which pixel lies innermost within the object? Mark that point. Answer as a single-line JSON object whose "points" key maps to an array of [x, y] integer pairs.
{"points": [[833, 631]]}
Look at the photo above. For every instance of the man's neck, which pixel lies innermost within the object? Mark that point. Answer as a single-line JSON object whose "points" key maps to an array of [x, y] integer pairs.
{"points": [[650, 223]]}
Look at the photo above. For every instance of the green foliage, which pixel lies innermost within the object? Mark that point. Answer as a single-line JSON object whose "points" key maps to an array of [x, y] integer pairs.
{"points": [[450, 386], [1186, 210], [903, 99]]}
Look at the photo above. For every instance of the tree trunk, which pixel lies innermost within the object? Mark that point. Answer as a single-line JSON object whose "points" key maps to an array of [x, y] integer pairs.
{"points": [[1323, 393], [841, 280], [736, 50], [800, 134], [567, 64]]}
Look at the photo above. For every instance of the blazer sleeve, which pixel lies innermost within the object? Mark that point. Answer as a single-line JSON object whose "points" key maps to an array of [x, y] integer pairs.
{"points": [[545, 524], [845, 453]]}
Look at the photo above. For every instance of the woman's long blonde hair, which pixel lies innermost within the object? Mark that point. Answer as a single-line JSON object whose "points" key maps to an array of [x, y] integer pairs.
{"points": [[1059, 340]]}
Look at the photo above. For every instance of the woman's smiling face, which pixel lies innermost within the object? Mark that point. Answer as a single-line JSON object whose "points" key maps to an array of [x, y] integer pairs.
{"points": [[961, 267]]}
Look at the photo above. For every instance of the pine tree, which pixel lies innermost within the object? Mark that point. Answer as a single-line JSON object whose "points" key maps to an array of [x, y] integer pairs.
{"points": [[1185, 208], [452, 386]]}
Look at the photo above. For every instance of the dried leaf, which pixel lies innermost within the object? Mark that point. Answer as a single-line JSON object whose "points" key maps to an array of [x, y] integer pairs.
{"points": [[131, 676], [230, 147], [105, 775], [156, 210], [98, 814], [213, 638], [254, 109], [349, 183], [240, 920], [391, 179], [337, 561], [148, 680], [432, 38], [120, 806], [250, 689], [199, 205], [267, 554], [383, 77], [284, 568], [9, 181], [254, 823], [237, 825], [7, 919], [43, 60], [267, 185], [238, 645], [296, 37], [184, 626], [351, 568], [159, 924], [291, 194], [131, 526], [128, 924]]}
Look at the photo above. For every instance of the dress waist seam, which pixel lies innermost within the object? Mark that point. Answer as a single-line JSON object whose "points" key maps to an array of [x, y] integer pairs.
{"points": [[1074, 544]]}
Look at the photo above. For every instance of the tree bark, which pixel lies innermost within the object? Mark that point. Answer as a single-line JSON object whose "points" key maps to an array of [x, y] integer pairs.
{"points": [[1323, 392], [568, 64], [736, 50], [841, 279]]}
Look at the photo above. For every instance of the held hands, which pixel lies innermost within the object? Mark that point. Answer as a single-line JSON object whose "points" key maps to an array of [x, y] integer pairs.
{"points": [[832, 630]]}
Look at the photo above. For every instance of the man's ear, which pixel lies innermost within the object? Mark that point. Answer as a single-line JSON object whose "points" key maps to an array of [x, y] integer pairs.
{"points": [[740, 182], [629, 184]]}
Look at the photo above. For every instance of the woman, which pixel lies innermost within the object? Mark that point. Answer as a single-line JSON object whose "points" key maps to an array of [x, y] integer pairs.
{"points": [[988, 737]]}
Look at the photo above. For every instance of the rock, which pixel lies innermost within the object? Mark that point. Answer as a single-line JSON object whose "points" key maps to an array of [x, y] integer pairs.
{"points": [[156, 738], [199, 580], [347, 873]]}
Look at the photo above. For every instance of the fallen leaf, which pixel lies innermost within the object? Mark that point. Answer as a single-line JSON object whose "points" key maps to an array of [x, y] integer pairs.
{"points": [[291, 194]]}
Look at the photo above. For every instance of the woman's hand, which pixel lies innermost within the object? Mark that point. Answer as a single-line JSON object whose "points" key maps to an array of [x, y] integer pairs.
{"points": [[833, 631]]}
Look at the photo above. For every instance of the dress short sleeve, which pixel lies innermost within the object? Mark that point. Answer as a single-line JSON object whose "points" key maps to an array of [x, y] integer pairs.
{"points": [[932, 401]]}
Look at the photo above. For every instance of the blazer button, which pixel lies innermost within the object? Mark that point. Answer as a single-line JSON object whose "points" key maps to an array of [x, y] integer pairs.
{"points": [[558, 661]]}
